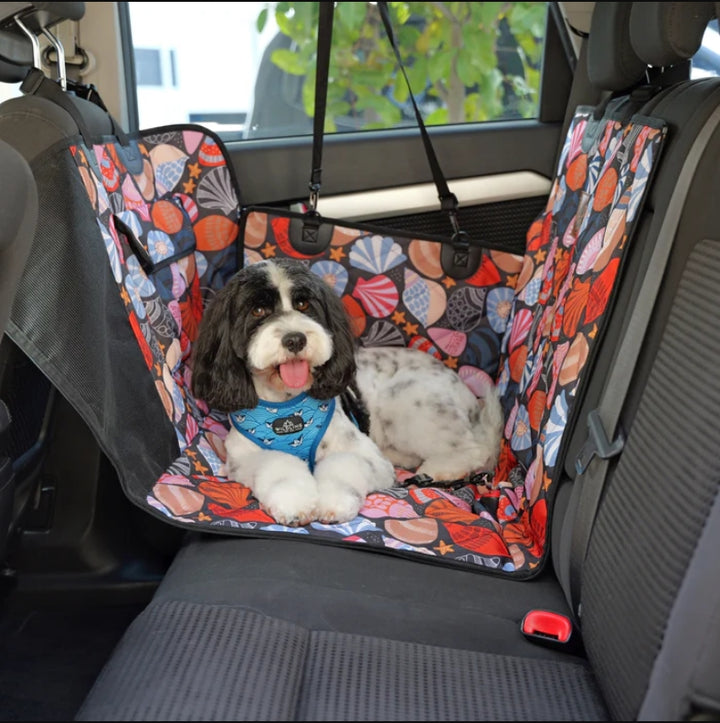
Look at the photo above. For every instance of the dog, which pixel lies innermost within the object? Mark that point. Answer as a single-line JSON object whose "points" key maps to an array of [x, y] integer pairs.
{"points": [[316, 422]]}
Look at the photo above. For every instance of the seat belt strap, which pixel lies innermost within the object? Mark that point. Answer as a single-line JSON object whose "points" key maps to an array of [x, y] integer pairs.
{"points": [[593, 462]]}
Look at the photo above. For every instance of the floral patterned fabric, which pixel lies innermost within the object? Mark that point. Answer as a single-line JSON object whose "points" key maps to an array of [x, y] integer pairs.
{"points": [[171, 234], [527, 322], [573, 256]]}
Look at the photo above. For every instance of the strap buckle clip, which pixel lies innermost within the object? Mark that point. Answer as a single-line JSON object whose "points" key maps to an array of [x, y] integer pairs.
{"points": [[33, 80], [597, 443], [314, 197]]}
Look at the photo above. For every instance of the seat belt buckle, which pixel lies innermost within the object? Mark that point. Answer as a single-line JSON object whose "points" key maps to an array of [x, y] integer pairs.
{"points": [[549, 628], [597, 443]]}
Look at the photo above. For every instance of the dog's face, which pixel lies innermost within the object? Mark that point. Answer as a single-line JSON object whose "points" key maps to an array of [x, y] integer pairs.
{"points": [[275, 330]]}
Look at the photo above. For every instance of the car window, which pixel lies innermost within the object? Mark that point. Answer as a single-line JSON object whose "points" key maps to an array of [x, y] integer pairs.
{"points": [[249, 67], [9, 90], [706, 62]]}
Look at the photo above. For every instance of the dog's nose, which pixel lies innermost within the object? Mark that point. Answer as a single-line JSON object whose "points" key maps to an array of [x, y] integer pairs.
{"points": [[294, 341]]}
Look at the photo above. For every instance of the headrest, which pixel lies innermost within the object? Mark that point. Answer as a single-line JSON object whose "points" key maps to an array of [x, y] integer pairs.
{"points": [[16, 57], [16, 52], [612, 62], [40, 15], [666, 33]]}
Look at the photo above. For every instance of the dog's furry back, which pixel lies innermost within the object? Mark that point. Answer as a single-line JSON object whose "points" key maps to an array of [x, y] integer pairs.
{"points": [[422, 415]]}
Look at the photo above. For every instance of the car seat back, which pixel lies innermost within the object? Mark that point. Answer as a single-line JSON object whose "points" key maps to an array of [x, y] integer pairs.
{"points": [[645, 576], [31, 125], [163, 208], [18, 218]]}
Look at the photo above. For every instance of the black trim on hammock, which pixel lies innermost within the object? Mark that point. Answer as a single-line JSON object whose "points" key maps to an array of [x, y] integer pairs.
{"points": [[323, 235]]}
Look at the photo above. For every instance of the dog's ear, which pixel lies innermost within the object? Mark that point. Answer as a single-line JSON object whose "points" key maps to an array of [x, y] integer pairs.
{"points": [[219, 376], [333, 377]]}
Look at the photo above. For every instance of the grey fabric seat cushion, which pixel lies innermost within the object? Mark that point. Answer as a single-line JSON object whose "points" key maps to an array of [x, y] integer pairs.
{"points": [[248, 629], [325, 587], [277, 630], [226, 663]]}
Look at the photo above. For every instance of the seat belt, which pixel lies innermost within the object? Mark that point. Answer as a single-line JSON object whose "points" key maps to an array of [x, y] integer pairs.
{"points": [[593, 460]]}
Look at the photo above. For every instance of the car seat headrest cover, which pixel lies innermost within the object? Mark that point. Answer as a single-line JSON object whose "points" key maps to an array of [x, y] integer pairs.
{"points": [[663, 34]]}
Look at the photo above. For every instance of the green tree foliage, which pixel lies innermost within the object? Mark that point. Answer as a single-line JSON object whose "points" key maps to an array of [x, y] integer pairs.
{"points": [[466, 61]]}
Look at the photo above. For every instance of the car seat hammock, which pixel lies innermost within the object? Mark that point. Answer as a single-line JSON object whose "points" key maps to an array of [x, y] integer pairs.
{"points": [[166, 211]]}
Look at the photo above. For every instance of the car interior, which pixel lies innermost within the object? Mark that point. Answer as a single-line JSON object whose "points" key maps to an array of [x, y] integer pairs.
{"points": [[577, 580]]}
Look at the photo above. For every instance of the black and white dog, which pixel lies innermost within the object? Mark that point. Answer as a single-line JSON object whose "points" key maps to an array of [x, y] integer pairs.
{"points": [[275, 351]]}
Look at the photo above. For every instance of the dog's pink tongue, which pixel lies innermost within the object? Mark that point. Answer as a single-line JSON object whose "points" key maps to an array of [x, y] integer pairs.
{"points": [[295, 373]]}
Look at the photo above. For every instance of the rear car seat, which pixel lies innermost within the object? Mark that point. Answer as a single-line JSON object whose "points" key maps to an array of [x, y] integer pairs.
{"points": [[275, 629], [132, 206], [167, 222]]}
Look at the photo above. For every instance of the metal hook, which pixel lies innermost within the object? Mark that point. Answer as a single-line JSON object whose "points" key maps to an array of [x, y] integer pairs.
{"points": [[314, 197], [60, 52], [37, 63]]}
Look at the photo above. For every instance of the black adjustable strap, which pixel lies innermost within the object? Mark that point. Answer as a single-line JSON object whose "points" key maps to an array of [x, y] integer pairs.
{"points": [[448, 200], [309, 235], [604, 440], [37, 83], [458, 259], [324, 41]]}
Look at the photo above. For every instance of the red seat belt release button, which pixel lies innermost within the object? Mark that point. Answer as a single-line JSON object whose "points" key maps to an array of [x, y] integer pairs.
{"points": [[545, 626]]}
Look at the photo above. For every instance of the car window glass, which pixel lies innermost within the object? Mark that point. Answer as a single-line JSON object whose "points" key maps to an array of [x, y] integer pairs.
{"points": [[9, 90], [249, 67], [706, 62]]}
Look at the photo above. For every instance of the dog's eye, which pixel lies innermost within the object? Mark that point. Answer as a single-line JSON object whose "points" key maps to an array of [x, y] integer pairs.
{"points": [[259, 311], [302, 305]]}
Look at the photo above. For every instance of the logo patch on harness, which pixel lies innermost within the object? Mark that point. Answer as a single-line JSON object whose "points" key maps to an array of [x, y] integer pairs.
{"points": [[288, 425]]}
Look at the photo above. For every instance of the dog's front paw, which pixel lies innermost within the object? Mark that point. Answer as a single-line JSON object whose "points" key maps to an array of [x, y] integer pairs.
{"points": [[338, 503], [291, 503]]}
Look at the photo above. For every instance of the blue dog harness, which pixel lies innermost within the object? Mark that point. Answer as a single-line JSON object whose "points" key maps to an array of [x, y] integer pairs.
{"points": [[295, 427]]}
